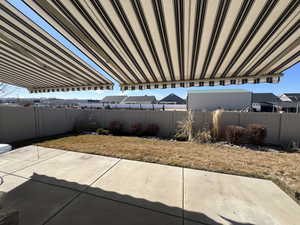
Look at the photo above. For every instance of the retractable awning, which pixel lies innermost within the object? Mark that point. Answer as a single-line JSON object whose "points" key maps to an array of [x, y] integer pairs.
{"points": [[31, 58], [147, 44]]}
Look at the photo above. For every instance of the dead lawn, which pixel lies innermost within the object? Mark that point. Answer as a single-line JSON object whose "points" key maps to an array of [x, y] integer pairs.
{"points": [[282, 168]]}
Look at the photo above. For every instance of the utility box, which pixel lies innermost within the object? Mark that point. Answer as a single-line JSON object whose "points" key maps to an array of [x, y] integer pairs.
{"points": [[210, 100]]}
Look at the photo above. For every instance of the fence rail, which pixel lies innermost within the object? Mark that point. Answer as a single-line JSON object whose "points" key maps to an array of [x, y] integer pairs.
{"points": [[134, 106], [22, 123]]}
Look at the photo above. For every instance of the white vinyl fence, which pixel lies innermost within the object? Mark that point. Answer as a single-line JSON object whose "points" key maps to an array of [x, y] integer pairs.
{"points": [[23, 123]]}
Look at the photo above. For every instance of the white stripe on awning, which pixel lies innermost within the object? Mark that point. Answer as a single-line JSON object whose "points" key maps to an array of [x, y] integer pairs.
{"points": [[33, 59], [145, 44]]}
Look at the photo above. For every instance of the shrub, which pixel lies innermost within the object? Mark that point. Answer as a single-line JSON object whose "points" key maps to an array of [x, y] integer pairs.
{"points": [[136, 129], [115, 127], [293, 146], [180, 137], [204, 136], [102, 131], [185, 127], [256, 134], [235, 134], [151, 130]]}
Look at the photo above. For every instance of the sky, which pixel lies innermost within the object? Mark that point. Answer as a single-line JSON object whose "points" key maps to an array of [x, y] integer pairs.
{"points": [[289, 82]]}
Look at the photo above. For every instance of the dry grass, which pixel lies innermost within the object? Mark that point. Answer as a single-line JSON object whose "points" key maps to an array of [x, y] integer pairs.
{"points": [[216, 121], [282, 168]]}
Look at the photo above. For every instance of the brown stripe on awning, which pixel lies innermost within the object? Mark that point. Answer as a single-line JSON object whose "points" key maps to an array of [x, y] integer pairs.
{"points": [[180, 43], [33, 59]]}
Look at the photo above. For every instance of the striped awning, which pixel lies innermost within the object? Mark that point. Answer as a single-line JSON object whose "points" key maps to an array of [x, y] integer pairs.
{"points": [[31, 58], [147, 44]]}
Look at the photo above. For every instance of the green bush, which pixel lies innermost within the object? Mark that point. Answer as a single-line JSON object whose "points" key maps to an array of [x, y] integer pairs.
{"points": [[115, 127], [235, 134], [180, 137], [256, 134], [102, 131]]}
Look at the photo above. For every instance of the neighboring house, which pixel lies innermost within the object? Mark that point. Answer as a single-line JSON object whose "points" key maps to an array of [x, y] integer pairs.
{"points": [[113, 99], [228, 99], [172, 99], [265, 97], [20, 100], [265, 102], [289, 107], [290, 97], [53, 102], [139, 100], [268, 102]]}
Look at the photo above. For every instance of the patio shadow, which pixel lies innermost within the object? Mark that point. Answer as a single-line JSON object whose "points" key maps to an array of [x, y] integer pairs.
{"points": [[46, 203]]}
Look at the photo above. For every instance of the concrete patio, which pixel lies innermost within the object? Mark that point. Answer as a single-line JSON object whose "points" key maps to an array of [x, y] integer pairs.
{"points": [[50, 186]]}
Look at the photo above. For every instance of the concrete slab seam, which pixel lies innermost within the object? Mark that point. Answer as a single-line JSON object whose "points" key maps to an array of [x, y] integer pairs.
{"points": [[33, 164], [78, 194]]}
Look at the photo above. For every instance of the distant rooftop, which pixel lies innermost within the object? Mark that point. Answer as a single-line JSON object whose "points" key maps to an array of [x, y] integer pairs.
{"points": [[295, 97], [172, 98], [117, 98], [220, 91], [264, 97], [139, 99]]}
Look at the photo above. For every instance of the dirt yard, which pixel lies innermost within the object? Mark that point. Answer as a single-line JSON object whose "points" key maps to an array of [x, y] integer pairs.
{"points": [[282, 168]]}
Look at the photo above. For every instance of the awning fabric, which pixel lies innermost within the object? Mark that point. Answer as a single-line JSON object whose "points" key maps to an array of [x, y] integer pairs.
{"points": [[31, 58], [147, 44]]}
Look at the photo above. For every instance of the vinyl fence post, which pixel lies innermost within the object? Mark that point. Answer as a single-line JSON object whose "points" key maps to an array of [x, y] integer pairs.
{"points": [[280, 125]]}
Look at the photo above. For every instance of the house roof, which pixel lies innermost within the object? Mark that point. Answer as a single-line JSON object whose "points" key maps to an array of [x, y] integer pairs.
{"points": [[288, 104], [33, 59], [220, 91], [264, 97], [118, 98], [173, 98], [295, 97], [161, 44], [139, 99]]}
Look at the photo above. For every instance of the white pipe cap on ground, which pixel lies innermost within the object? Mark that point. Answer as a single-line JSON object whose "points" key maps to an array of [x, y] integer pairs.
{"points": [[5, 148]]}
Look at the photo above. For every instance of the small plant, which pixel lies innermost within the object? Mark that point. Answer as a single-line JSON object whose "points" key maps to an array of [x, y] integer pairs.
{"points": [[185, 128], [256, 134], [102, 131], [204, 136], [115, 127], [180, 137], [235, 134], [292, 146], [151, 130], [136, 129]]}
